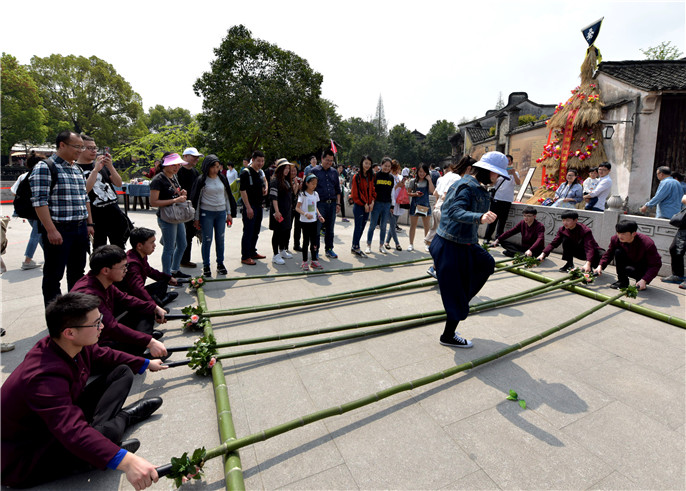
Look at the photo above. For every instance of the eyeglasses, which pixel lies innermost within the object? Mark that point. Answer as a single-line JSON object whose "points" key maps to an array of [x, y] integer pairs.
{"points": [[123, 267], [92, 149], [95, 325], [77, 147]]}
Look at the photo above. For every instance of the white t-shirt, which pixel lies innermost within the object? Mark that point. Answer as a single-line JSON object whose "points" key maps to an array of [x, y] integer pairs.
{"points": [[308, 204], [231, 175], [443, 185], [15, 186], [506, 190]]}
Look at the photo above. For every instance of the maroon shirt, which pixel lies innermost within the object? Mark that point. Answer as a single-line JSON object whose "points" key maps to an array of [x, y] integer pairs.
{"points": [[533, 237], [580, 234], [641, 252], [138, 272], [112, 299], [40, 415]]}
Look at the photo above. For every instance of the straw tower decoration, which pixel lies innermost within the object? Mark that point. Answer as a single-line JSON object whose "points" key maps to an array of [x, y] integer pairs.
{"points": [[574, 140]]}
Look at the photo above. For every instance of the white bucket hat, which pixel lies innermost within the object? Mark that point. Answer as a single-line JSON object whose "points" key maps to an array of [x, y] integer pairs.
{"points": [[495, 162]]}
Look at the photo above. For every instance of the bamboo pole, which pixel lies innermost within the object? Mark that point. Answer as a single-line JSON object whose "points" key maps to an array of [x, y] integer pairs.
{"points": [[370, 399], [631, 307], [233, 470]]}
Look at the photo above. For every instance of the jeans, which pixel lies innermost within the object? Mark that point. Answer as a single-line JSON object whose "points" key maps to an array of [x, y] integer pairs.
{"points": [[70, 255], [392, 232], [34, 240], [379, 214], [361, 217], [174, 239], [251, 232], [212, 221], [328, 211]]}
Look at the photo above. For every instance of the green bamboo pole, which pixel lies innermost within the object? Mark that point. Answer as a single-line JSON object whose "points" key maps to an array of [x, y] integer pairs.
{"points": [[317, 272], [370, 399], [382, 289], [631, 307], [233, 469]]}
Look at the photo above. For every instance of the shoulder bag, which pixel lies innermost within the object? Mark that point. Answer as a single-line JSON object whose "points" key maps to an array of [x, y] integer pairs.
{"points": [[177, 212]]}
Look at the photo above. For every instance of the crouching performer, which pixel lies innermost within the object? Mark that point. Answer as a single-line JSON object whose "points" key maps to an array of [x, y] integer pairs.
{"points": [[53, 424]]}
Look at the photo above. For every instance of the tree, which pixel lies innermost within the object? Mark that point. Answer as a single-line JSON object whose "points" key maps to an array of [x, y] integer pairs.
{"points": [[403, 145], [663, 51], [437, 145], [259, 96], [86, 95], [379, 119], [157, 117], [358, 137], [500, 103], [22, 114]]}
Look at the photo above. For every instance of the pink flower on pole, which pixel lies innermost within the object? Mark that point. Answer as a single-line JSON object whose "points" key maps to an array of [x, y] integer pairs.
{"points": [[195, 318], [200, 281], [212, 362]]}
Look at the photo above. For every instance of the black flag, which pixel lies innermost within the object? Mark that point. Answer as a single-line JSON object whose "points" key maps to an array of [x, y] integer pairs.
{"points": [[591, 32]]}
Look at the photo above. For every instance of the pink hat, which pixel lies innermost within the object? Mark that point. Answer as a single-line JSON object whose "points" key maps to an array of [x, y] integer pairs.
{"points": [[172, 159]]}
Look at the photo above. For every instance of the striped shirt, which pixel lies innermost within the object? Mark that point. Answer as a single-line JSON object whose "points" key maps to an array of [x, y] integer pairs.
{"points": [[67, 202]]}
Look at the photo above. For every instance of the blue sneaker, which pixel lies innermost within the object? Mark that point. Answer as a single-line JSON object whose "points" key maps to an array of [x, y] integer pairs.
{"points": [[331, 254], [431, 272]]}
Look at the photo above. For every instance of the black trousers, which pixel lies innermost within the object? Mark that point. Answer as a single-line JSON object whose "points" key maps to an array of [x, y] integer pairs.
{"points": [[70, 256], [157, 289], [626, 269], [676, 252], [514, 248], [502, 209], [310, 239], [295, 217], [572, 249], [280, 238], [110, 224]]}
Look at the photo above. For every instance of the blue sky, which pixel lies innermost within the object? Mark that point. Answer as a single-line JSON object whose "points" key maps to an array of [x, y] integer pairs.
{"points": [[429, 60]]}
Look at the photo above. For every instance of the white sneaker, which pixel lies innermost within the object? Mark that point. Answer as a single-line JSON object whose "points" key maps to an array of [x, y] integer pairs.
{"points": [[426, 247], [30, 265], [368, 250], [382, 250], [278, 259], [286, 254], [410, 248]]}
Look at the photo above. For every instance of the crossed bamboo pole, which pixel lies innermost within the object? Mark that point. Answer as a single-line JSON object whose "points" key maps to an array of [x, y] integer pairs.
{"points": [[234, 445]]}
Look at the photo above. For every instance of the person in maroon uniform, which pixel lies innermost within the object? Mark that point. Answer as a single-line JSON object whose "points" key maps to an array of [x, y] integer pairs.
{"points": [[577, 241], [142, 245], [53, 424], [635, 256], [135, 332], [533, 236]]}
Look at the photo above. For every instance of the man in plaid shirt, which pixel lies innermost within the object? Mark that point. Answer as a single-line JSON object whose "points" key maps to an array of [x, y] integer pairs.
{"points": [[64, 215]]}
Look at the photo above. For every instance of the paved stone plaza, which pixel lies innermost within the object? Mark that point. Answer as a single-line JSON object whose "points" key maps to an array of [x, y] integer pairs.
{"points": [[605, 397]]}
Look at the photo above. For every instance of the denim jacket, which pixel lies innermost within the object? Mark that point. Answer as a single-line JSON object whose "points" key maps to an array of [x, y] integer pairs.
{"points": [[466, 201]]}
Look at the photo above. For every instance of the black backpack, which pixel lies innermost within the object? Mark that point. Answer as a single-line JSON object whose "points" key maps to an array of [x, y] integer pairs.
{"points": [[22, 200]]}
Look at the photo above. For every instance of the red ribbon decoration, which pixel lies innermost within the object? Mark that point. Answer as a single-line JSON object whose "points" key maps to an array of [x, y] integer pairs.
{"points": [[567, 143]]}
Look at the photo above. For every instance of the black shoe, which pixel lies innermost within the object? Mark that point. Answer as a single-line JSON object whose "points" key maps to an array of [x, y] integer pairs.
{"points": [[206, 272], [297, 248], [188, 264], [508, 253], [179, 274], [566, 268], [221, 269], [168, 298], [617, 285], [157, 334], [131, 445], [142, 410]]}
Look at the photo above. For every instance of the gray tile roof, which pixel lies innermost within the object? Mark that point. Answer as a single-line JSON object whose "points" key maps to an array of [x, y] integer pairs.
{"points": [[648, 74], [477, 134]]}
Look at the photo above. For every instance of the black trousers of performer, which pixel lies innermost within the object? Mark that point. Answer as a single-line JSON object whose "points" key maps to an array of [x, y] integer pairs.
{"points": [[70, 255], [310, 239], [144, 323], [512, 248], [295, 217], [109, 224], [625, 269], [101, 402], [157, 290], [676, 251], [191, 232], [572, 249], [502, 209]]}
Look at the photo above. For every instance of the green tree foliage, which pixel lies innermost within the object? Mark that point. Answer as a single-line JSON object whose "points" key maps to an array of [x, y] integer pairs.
{"points": [[403, 145], [22, 115], [663, 51], [87, 95], [437, 145], [159, 116], [358, 137], [259, 96], [530, 118]]}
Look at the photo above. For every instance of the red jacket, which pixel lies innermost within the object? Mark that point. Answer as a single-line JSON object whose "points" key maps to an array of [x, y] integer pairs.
{"points": [[641, 252], [139, 271], [114, 300], [40, 415], [362, 191]]}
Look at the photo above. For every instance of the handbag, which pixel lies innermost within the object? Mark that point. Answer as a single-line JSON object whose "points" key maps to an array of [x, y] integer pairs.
{"points": [[679, 219], [177, 212], [421, 210], [403, 199]]}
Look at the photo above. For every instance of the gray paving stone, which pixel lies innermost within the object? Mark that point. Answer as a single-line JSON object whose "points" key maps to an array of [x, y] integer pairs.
{"points": [[338, 477], [475, 481]]}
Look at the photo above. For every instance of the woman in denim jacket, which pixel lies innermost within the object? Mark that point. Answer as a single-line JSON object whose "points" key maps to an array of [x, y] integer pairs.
{"points": [[462, 265]]}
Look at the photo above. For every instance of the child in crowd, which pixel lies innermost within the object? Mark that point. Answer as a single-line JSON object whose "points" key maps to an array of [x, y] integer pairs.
{"points": [[309, 214]]}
